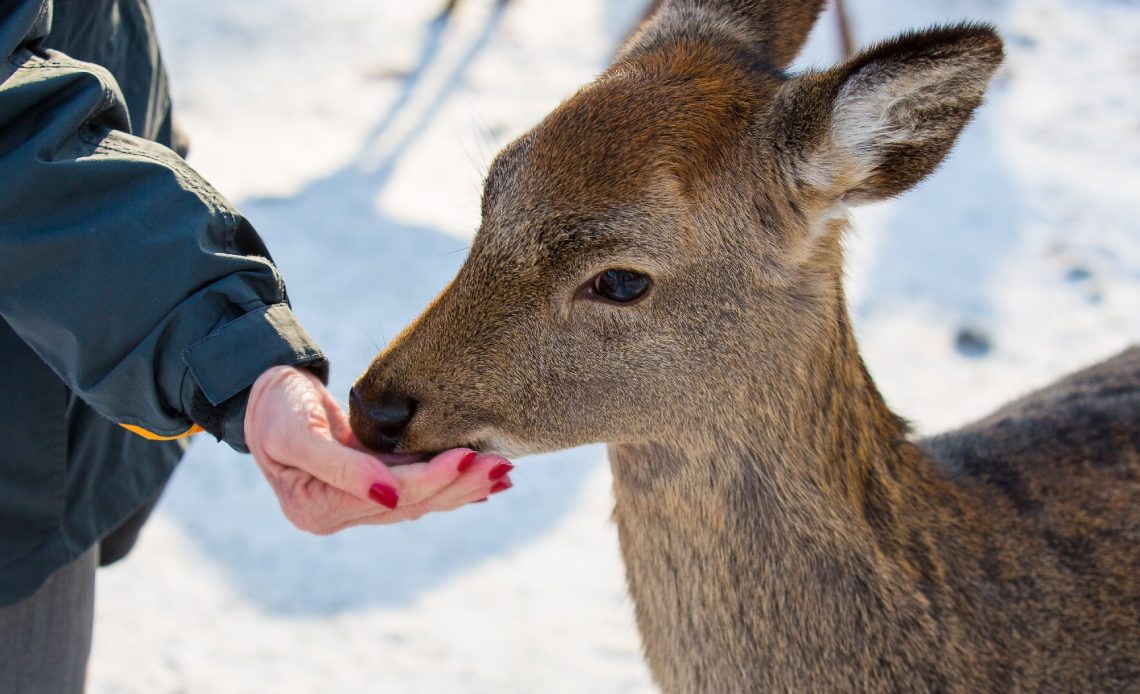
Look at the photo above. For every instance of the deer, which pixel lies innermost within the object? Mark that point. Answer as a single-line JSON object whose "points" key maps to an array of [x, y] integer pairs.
{"points": [[659, 268]]}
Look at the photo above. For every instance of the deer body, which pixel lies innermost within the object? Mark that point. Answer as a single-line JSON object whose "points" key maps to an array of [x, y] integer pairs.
{"points": [[963, 563], [659, 268]]}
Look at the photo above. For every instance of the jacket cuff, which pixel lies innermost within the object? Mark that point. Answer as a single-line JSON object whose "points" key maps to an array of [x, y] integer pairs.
{"points": [[226, 362]]}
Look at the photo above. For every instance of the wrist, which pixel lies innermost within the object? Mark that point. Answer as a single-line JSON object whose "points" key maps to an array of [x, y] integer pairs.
{"points": [[264, 382], [225, 421], [267, 382], [223, 368]]}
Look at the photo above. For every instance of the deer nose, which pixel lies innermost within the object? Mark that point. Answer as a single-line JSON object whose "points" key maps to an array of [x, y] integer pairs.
{"points": [[380, 425]]}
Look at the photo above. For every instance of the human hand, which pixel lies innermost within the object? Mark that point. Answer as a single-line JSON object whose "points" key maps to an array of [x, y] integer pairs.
{"points": [[324, 478]]}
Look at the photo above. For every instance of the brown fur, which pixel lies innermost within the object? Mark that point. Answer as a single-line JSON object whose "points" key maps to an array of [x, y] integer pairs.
{"points": [[780, 529]]}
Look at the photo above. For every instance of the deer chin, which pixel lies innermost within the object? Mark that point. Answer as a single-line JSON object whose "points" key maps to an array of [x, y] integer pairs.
{"points": [[490, 441], [425, 444]]}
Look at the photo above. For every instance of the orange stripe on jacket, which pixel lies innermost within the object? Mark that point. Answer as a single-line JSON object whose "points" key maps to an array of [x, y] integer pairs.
{"points": [[155, 437]]}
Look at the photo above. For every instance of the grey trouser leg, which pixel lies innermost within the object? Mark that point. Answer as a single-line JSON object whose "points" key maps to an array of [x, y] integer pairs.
{"points": [[45, 639]]}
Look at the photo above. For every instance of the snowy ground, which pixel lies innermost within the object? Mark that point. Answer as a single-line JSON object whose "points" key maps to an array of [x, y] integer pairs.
{"points": [[354, 133]]}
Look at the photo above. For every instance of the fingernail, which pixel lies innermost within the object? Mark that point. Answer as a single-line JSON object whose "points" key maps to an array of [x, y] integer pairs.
{"points": [[500, 471], [465, 464], [501, 486], [384, 494], [480, 501]]}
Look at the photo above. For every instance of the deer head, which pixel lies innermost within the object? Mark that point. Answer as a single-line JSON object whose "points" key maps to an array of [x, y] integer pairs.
{"points": [[661, 254]]}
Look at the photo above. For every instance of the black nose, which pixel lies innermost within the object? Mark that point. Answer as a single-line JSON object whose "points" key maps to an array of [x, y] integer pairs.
{"points": [[380, 425]]}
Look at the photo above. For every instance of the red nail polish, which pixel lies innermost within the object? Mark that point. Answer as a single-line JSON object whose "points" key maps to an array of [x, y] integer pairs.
{"points": [[500, 471], [384, 494], [501, 486], [465, 464]]}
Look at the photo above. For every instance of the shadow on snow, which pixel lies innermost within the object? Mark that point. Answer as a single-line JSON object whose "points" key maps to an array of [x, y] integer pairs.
{"points": [[351, 271]]}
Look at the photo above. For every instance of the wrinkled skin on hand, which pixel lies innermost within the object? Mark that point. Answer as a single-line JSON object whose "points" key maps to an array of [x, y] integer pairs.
{"points": [[327, 481]]}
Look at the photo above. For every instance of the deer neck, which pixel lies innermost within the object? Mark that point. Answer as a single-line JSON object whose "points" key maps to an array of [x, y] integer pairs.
{"points": [[743, 546]]}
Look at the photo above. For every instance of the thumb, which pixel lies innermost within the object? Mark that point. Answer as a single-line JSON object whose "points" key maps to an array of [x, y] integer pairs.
{"points": [[337, 419]]}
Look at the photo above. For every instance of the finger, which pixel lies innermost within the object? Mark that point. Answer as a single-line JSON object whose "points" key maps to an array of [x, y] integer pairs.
{"points": [[351, 471], [352, 442], [453, 497], [457, 466], [421, 480], [317, 507], [447, 482], [415, 511], [338, 419], [487, 475], [415, 482]]}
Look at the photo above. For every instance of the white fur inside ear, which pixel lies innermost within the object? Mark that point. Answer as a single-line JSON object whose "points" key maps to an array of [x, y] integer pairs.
{"points": [[886, 105], [865, 119]]}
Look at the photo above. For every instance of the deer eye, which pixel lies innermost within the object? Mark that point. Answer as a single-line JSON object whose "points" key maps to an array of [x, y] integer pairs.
{"points": [[621, 286]]}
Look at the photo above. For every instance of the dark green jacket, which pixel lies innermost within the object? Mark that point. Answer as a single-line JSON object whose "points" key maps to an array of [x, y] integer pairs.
{"points": [[131, 293]]}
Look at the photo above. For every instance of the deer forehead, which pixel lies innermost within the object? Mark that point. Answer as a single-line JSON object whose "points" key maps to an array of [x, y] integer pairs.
{"points": [[613, 167], [558, 248]]}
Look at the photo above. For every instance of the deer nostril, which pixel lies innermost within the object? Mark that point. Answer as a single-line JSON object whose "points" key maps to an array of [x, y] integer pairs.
{"points": [[392, 413], [388, 416]]}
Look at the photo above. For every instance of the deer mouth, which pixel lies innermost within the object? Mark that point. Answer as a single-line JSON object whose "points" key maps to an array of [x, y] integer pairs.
{"points": [[396, 459]]}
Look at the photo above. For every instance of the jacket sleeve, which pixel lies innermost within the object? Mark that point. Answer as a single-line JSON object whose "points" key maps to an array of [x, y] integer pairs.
{"points": [[140, 286]]}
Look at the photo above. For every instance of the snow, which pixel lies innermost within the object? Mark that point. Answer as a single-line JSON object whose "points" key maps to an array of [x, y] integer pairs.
{"points": [[354, 134]]}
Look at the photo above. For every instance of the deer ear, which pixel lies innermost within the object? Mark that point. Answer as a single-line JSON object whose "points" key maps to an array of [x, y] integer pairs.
{"points": [[880, 123]]}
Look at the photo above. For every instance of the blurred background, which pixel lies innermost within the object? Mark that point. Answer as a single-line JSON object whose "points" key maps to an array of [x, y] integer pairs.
{"points": [[355, 134]]}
